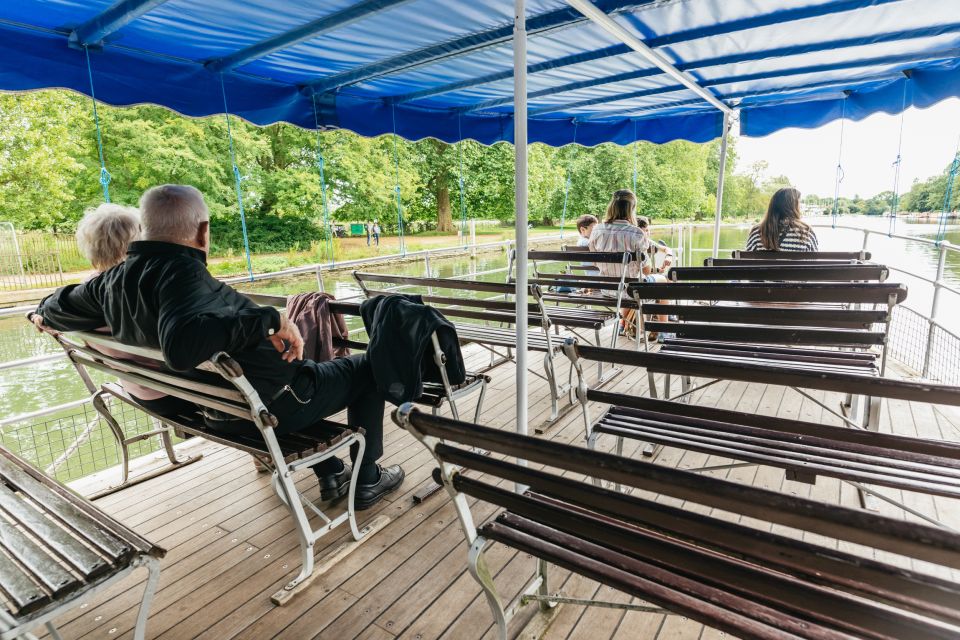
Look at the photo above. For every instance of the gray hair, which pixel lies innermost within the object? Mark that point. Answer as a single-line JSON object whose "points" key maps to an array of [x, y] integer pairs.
{"points": [[172, 213], [105, 232]]}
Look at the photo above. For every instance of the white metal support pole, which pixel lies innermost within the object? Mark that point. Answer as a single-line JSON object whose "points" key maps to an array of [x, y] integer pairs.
{"points": [[721, 174], [520, 174]]}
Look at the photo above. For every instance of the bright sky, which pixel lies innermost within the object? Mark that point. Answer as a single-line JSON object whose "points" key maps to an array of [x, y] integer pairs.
{"points": [[809, 156]]}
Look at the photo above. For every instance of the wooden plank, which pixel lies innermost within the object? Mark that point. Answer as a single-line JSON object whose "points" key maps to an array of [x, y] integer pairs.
{"points": [[41, 563], [22, 593]]}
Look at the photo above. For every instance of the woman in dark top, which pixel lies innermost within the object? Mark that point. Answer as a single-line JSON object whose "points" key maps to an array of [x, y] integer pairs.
{"points": [[782, 229]]}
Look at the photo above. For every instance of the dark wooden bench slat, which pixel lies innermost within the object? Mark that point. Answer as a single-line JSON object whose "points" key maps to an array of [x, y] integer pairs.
{"points": [[741, 347], [865, 366], [69, 547], [24, 596], [785, 271], [440, 283], [584, 278], [767, 292], [606, 257], [771, 335], [101, 538], [44, 566], [769, 262], [858, 440], [857, 384], [915, 591], [810, 459], [817, 317], [548, 280], [802, 255]]}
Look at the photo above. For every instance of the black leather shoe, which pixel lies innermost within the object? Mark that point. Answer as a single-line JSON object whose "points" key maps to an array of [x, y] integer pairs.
{"points": [[335, 486], [368, 495]]}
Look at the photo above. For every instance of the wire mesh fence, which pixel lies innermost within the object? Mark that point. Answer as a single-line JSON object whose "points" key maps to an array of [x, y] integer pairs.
{"points": [[944, 357], [908, 337], [77, 442]]}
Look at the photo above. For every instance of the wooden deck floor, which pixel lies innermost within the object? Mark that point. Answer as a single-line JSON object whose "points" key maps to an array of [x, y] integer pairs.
{"points": [[231, 544]]}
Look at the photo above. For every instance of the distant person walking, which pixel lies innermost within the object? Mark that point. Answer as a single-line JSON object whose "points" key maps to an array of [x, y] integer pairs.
{"points": [[376, 232], [369, 227], [781, 228]]}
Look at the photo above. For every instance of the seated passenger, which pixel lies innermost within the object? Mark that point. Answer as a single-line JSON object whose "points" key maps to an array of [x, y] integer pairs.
{"points": [[585, 225], [163, 297], [781, 228], [619, 232], [654, 272]]}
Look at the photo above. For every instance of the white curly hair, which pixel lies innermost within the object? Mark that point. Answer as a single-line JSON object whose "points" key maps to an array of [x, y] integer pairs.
{"points": [[105, 232]]}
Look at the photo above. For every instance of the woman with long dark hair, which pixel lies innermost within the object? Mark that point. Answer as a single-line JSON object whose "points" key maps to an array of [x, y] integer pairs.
{"points": [[782, 228]]}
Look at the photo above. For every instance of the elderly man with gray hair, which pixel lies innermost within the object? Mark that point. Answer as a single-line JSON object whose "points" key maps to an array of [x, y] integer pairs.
{"points": [[162, 296]]}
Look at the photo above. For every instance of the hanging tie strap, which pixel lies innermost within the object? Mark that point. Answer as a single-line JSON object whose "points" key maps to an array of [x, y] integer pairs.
{"points": [[463, 198], [948, 195], [237, 179], [104, 174], [396, 188], [839, 177], [566, 188], [328, 230], [634, 156], [895, 200]]}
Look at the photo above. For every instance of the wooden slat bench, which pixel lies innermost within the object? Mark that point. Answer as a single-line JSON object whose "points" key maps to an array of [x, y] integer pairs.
{"points": [[831, 326], [220, 390], [57, 548], [740, 579], [498, 335]]}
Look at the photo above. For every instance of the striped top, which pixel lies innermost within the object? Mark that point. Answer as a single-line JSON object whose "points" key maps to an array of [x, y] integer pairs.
{"points": [[794, 239], [618, 236]]}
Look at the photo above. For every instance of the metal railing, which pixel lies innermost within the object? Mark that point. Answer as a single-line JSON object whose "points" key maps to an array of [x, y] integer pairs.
{"points": [[69, 439]]}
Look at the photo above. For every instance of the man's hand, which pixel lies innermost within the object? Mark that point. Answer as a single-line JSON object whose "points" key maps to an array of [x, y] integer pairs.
{"points": [[37, 321], [288, 340]]}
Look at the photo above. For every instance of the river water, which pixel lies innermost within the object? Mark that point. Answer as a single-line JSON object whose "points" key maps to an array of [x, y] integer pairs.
{"points": [[51, 383]]}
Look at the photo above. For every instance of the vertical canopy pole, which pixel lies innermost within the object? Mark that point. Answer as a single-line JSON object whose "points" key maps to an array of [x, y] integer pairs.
{"points": [[721, 173], [520, 174]]}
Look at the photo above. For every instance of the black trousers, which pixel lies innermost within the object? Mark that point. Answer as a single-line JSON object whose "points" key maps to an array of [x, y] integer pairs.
{"points": [[321, 389]]}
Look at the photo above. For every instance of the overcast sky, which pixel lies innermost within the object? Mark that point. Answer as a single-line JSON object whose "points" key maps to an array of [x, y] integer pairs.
{"points": [[809, 156]]}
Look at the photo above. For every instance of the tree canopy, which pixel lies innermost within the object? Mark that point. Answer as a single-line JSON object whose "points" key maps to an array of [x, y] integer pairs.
{"points": [[50, 168]]}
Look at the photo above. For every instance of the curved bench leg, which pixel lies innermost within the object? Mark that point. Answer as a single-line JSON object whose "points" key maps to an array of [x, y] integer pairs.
{"points": [[101, 407], [552, 381], [477, 566]]}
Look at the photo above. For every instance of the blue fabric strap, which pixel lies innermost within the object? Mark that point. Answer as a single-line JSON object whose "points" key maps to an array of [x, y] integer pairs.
{"points": [[463, 199], [895, 200], [396, 188], [323, 188], [839, 178], [104, 174], [237, 179], [566, 188]]}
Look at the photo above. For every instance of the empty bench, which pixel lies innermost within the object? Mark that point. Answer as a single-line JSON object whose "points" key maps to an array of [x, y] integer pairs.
{"points": [[824, 326], [221, 392], [736, 578], [57, 548]]}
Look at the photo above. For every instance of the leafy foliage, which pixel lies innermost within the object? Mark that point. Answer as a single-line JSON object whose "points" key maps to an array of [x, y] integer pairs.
{"points": [[49, 170]]}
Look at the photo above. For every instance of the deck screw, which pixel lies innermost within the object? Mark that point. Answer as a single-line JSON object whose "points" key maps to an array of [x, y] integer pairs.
{"points": [[113, 630], [84, 605], [234, 540], [266, 556], [98, 619], [284, 566], [389, 623]]}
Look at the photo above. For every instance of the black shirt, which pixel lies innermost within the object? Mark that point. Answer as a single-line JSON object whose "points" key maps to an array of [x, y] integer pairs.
{"points": [[163, 297]]}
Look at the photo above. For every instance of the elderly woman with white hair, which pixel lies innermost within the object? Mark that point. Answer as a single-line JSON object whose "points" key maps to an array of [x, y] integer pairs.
{"points": [[103, 235]]}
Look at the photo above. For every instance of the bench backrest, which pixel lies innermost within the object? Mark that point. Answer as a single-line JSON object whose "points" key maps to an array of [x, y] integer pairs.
{"points": [[721, 556], [779, 292], [783, 271], [733, 262], [775, 374], [801, 255]]}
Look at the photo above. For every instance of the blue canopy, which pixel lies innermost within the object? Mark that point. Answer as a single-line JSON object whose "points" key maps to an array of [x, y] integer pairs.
{"points": [[444, 69]]}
